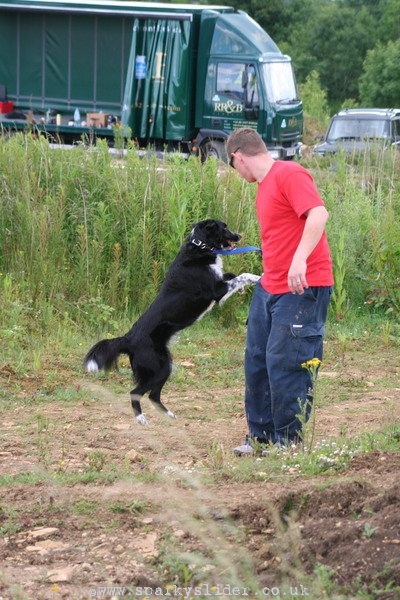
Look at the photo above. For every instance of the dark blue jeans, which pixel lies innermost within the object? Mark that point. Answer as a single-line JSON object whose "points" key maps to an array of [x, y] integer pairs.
{"points": [[284, 331]]}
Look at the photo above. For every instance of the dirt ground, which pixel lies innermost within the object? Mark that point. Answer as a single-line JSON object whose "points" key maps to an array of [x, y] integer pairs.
{"points": [[103, 507]]}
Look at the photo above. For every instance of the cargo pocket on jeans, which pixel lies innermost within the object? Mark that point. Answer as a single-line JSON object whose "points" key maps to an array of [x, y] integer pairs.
{"points": [[307, 331], [306, 344]]}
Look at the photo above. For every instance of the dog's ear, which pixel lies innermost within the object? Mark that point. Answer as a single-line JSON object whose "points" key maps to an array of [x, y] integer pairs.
{"points": [[211, 225], [214, 225], [198, 224]]}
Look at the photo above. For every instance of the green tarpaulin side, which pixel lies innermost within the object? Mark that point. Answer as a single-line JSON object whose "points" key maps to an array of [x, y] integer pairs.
{"points": [[56, 62], [156, 101], [63, 61]]}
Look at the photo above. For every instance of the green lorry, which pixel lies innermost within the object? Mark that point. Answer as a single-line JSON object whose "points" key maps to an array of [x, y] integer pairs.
{"points": [[172, 77]]}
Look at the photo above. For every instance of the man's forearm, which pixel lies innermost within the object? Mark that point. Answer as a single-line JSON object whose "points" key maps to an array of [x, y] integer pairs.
{"points": [[313, 230]]}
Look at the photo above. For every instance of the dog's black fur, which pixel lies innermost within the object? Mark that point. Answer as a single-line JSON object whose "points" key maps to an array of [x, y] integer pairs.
{"points": [[194, 283]]}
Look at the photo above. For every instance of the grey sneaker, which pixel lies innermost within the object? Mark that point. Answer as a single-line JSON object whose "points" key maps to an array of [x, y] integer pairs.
{"points": [[244, 449]]}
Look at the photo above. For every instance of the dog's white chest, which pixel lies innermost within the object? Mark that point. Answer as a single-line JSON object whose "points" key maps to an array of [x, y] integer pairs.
{"points": [[218, 273], [217, 268]]}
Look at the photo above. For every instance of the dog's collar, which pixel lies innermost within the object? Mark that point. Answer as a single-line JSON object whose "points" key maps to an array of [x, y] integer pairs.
{"points": [[201, 245]]}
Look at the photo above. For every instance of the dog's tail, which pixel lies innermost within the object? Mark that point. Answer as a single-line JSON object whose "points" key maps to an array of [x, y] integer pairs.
{"points": [[104, 354]]}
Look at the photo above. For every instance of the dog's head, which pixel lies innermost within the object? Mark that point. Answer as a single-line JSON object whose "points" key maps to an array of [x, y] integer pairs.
{"points": [[210, 234]]}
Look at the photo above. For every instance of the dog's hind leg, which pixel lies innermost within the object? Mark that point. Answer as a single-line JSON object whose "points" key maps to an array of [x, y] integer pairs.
{"points": [[155, 399], [152, 381], [165, 368], [136, 396]]}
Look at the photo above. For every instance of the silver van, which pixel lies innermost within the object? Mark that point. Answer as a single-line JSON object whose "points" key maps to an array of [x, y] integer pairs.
{"points": [[354, 129]]}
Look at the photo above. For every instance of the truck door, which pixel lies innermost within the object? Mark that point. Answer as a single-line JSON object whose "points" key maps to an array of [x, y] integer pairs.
{"points": [[231, 97]]}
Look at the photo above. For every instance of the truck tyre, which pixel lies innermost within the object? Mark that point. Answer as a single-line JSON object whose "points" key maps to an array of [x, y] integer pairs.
{"points": [[215, 148]]}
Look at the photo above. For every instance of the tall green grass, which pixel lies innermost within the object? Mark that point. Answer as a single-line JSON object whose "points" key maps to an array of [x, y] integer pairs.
{"points": [[82, 231], [87, 239], [362, 194]]}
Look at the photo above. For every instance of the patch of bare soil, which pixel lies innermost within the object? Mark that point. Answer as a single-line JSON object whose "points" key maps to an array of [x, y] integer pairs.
{"points": [[103, 507]]}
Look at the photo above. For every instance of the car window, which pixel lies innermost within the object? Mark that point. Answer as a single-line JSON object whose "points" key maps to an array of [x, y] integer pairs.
{"points": [[357, 129]]}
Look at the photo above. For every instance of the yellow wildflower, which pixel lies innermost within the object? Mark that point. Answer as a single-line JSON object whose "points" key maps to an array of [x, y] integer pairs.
{"points": [[314, 363]]}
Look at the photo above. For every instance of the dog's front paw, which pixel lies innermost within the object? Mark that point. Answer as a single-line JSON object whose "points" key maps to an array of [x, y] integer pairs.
{"points": [[251, 279], [248, 279]]}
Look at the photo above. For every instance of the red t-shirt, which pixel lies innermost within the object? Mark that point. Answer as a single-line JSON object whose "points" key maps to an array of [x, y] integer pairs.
{"points": [[284, 195]]}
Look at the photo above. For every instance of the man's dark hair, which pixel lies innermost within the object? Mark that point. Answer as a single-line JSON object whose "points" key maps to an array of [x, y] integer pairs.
{"points": [[247, 140]]}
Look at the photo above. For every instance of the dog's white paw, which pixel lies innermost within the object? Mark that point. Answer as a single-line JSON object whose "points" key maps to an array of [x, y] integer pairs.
{"points": [[171, 414], [141, 419], [92, 366], [250, 278]]}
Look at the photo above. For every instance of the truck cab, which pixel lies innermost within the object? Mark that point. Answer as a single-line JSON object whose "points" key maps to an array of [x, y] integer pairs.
{"points": [[248, 82]]}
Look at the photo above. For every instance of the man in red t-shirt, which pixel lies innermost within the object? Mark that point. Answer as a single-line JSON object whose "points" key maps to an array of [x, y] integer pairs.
{"points": [[289, 306]]}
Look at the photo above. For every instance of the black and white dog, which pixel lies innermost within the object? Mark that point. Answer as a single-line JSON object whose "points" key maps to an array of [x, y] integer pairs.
{"points": [[194, 283]]}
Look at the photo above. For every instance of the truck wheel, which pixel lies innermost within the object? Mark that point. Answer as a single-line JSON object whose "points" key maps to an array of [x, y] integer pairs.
{"points": [[214, 148]]}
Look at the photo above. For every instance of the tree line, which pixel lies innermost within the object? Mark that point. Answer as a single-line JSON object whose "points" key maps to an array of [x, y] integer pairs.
{"points": [[353, 45]]}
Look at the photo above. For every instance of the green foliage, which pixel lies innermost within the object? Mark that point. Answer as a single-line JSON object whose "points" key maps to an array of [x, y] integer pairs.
{"points": [[369, 531], [315, 106], [314, 98], [379, 85], [307, 414], [341, 38], [96, 460], [85, 507], [356, 190], [331, 38], [43, 439], [385, 238], [350, 103], [340, 301], [134, 507], [88, 239], [388, 20], [86, 235]]}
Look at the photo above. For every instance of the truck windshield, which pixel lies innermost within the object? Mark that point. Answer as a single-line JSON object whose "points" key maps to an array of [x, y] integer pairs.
{"points": [[279, 82], [357, 129]]}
